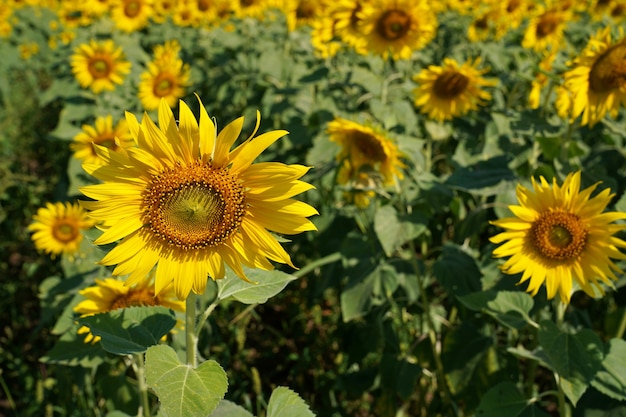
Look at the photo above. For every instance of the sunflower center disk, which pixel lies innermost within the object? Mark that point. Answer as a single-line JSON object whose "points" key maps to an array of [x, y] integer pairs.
{"points": [[136, 298], [394, 24], [450, 84], [558, 236], [194, 207], [370, 147], [163, 87], [609, 71], [64, 231], [99, 68], [132, 9], [547, 25]]}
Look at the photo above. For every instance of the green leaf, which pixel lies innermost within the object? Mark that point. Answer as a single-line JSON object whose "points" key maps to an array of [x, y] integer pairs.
{"points": [[611, 378], [464, 349], [398, 375], [575, 357], [71, 350], [457, 271], [286, 403], [268, 284], [182, 390], [369, 285], [117, 413], [485, 178], [130, 330], [510, 308], [229, 409], [394, 230], [506, 400]]}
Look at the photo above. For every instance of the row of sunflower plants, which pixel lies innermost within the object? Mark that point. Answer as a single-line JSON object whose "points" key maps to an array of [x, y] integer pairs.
{"points": [[292, 208]]}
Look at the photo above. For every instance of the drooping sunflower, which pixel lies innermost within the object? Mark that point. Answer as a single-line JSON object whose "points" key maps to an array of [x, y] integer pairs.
{"points": [[131, 15], [110, 294], [560, 234], [184, 202], [597, 83], [101, 133], [546, 29], [99, 65], [57, 228], [396, 28], [160, 81], [451, 90], [365, 147]]}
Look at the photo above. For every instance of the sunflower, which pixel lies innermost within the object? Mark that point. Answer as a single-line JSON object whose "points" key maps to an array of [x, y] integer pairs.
{"points": [[184, 202], [597, 83], [361, 185], [102, 133], [167, 82], [541, 80], [250, 8], [99, 65], [485, 26], [323, 39], [57, 228], [561, 234], [545, 31], [343, 16], [110, 294], [302, 12], [451, 90], [365, 147], [396, 28], [131, 15]]}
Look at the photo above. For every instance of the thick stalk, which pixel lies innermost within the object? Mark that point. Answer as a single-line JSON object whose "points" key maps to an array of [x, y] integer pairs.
{"points": [[140, 373], [190, 330]]}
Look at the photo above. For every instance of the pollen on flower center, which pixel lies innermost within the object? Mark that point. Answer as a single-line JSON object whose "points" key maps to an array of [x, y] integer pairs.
{"points": [[194, 207], [558, 235], [393, 24], [99, 68], [64, 231], [450, 84], [369, 146], [609, 71], [163, 86], [135, 298]]}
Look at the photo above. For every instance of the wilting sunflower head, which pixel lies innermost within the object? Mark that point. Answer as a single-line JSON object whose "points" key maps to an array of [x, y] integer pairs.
{"points": [[561, 234], [111, 294], [57, 228], [183, 201]]}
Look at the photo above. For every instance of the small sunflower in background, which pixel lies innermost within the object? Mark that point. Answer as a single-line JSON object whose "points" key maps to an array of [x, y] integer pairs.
{"points": [[131, 15], [597, 81], [396, 28], [168, 82], [99, 65], [560, 234], [57, 228], [541, 80], [102, 133], [546, 29], [451, 90], [184, 202], [344, 20], [302, 12], [110, 294]]}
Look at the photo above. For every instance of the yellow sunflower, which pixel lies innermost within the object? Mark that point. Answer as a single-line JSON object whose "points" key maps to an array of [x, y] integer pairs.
{"points": [[102, 133], [131, 15], [449, 91], [597, 82], [250, 8], [99, 65], [302, 12], [167, 82], [183, 201], [344, 20], [57, 228], [561, 234], [545, 31], [396, 28], [541, 80], [485, 26], [365, 147], [323, 38], [110, 294], [361, 185]]}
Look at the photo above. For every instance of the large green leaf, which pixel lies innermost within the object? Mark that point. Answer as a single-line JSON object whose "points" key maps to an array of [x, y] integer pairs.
{"points": [[226, 408], [457, 271], [510, 308], [369, 285], [182, 390], [265, 285], [575, 357], [286, 403], [72, 350], [611, 378], [505, 400], [394, 229], [130, 330]]}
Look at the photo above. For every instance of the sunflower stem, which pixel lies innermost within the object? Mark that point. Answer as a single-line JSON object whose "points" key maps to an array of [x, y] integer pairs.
{"points": [[564, 410], [622, 326], [140, 374], [190, 330]]}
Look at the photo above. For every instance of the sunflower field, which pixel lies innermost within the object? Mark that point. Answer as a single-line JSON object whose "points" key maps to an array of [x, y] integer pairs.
{"points": [[295, 208]]}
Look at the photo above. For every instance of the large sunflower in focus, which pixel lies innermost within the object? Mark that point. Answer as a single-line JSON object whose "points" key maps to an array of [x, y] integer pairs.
{"points": [[560, 234], [184, 202], [597, 83], [99, 65], [396, 28], [448, 91]]}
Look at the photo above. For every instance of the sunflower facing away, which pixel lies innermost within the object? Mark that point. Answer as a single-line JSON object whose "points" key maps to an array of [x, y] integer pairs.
{"points": [[57, 228], [110, 294], [102, 133], [183, 201], [597, 83], [561, 234], [448, 91], [99, 65]]}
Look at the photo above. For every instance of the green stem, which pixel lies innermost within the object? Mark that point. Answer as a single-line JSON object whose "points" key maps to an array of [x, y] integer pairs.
{"points": [[622, 326], [564, 409], [190, 330], [140, 373], [328, 259], [205, 316]]}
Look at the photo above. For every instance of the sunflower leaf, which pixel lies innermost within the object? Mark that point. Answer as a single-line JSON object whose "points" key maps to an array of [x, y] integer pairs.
{"points": [[229, 409], [265, 285], [182, 390], [575, 357], [506, 400], [394, 230], [286, 403], [130, 330], [610, 379], [510, 308]]}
